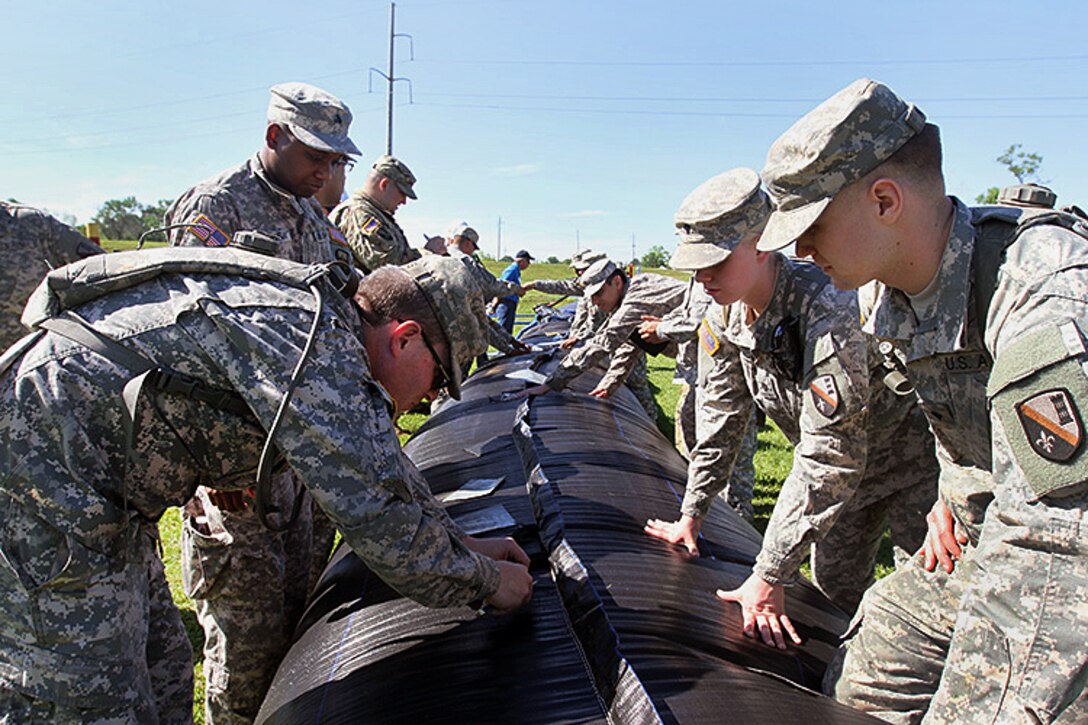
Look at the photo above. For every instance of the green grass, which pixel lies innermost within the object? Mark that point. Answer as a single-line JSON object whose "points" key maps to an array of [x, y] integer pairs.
{"points": [[773, 459]]}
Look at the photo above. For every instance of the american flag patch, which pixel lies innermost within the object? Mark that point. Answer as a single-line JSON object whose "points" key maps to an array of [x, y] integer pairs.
{"points": [[206, 231], [371, 225], [336, 236], [708, 339]]}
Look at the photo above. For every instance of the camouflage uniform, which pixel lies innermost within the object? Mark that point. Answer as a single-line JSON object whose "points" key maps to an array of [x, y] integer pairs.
{"points": [[249, 583], [490, 287], [74, 594], [991, 588], [805, 363], [646, 294], [375, 237], [679, 326], [995, 350], [32, 243]]}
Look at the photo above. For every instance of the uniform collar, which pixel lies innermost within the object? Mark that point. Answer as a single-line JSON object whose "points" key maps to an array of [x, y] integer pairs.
{"points": [[946, 329]]}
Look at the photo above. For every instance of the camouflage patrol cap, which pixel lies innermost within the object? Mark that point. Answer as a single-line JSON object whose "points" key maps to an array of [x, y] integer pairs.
{"points": [[580, 260], [593, 279], [1028, 195], [716, 216], [316, 117], [398, 172], [462, 229], [834, 145], [458, 305]]}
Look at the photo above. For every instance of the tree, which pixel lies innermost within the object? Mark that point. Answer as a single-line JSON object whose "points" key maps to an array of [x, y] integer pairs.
{"points": [[1023, 165], [128, 219], [655, 257], [552, 260]]}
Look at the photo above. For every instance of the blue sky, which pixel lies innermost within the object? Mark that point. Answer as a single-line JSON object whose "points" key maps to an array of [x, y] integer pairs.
{"points": [[578, 123]]}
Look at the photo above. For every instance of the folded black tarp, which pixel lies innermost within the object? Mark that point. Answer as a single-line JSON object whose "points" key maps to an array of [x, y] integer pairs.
{"points": [[622, 628]]}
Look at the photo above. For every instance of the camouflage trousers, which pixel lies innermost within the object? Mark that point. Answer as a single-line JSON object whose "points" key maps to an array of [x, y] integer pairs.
{"points": [[250, 587], [684, 435], [1020, 649], [639, 383], [738, 492], [88, 636]]}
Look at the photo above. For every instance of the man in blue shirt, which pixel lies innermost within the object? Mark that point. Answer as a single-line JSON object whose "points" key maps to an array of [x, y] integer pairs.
{"points": [[507, 307]]}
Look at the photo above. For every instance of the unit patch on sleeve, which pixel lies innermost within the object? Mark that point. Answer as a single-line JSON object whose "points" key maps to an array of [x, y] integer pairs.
{"points": [[371, 225], [708, 339], [825, 395], [1052, 424], [205, 230]]}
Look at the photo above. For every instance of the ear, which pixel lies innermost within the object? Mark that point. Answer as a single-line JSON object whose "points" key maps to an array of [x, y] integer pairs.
{"points": [[401, 335], [886, 197], [274, 137]]}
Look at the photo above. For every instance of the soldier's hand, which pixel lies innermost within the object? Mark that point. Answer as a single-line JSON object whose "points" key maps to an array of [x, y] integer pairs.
{"points": [[229, 501], [647, 330], [568, 343], [504, 549], [535, 390], [763, 606], [601, 393], [944, 538], [684, 532], [515, 589], [528, 286]]}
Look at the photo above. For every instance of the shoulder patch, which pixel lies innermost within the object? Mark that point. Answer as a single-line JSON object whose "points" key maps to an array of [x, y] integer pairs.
{"points": [[206, 231], [1052, 424], [336, 236], [708, 339], [371, 225], [825, 395]]}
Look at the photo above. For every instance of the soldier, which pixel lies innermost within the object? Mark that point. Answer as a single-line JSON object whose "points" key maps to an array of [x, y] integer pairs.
{"points": [[32, 243], [462, 241], [625, 301], [587, 317], [367, 217], [154, 371], [250, 584], [983, 312], [783, 338], [332, 192]]}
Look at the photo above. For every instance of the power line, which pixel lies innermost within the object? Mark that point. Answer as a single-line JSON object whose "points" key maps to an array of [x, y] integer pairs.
{"points": [[753, 63]]}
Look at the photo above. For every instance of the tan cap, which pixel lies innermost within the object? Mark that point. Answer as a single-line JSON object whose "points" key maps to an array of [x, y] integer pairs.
{"points": [[716, 216], [398, 172], [459, 307], [462, 229], [593, 279], [316, 117], [834, 145], [580, 260]]}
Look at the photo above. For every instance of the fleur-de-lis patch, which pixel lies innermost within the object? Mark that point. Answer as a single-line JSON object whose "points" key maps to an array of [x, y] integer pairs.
{"points": [[1052, 424], [825, 395]]}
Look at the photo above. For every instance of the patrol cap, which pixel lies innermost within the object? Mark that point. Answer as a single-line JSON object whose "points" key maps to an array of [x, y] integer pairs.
{"points": [[462, 229], [458, 306], [831, 147], [436, 245], [316, 117], [1029, 195], [579, 261], [398, 172], [716, 216], [592, 280]]}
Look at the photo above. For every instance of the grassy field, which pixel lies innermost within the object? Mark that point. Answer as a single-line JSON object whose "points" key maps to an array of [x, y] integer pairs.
{"points": [[773, 459]]}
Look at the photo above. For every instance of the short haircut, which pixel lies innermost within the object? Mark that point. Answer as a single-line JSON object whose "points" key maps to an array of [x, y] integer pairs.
{"points": [[617, 272], [389, 293], [918, 160]]}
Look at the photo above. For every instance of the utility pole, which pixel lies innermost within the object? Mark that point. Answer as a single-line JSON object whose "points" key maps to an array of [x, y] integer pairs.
{"points": [[577, 241], [633, 255], [390, 78], [498, 248]]}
